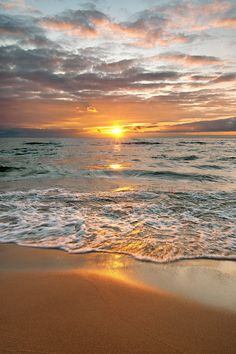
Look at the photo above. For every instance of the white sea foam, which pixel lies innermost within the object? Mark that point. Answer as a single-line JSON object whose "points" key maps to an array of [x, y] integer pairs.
{"points": [[150, 226]]}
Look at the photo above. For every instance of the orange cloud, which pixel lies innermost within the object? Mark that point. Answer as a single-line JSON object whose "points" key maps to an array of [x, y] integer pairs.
{"points": [[62, 26], [17, 5], [216, 7], [226, 22], [91, 109]]}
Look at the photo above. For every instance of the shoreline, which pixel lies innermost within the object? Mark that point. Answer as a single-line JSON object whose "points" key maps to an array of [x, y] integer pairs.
{"points": [[125, 254], [57, 303], [210, 282]]}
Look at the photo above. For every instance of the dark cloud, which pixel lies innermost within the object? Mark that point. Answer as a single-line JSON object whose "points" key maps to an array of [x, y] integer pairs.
{"points": [[116, 66], [219, 125], [39, 70], [38, 133], [225, 78], [204, 126], [23, 29]]}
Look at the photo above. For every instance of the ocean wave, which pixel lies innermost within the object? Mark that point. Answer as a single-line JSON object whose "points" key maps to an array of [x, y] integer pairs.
{"points": [[142, 143], [192, 143], [227, 158], [210, 167], [154, 162], [155, 226], [177, 158], [183, 158], [31, 150], [186, 158], [23, 172], [150, 174], [5, 169], [42, 143]]}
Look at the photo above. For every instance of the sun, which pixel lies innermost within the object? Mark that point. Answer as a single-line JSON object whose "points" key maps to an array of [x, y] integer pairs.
{"points": [[117, 131], [115, 166]]}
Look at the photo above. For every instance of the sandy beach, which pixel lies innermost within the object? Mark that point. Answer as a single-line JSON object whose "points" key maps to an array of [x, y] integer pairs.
{"points": [[50, 305], [117, 177]]}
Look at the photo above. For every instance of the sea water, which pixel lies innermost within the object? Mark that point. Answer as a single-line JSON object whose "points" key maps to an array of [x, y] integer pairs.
{"points": [[158, 199]]}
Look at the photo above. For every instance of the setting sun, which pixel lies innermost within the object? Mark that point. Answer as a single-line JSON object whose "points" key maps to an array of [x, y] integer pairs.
{"points": [[117, 131], [115, 166]]}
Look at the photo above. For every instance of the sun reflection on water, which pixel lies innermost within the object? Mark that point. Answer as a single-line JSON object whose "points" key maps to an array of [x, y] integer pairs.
{"points": [[124, 189], [114, 266], [117, 147]]}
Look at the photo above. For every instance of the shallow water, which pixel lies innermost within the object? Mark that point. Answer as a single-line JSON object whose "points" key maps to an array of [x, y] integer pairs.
{"points": [[157, 199]]}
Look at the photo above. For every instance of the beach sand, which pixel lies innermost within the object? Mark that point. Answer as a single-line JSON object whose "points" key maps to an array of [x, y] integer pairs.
{"points": [[51, 303]]}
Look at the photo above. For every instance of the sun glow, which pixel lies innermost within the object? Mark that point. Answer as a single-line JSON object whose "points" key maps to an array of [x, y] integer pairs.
{"points": [[117, 131], [115, 166]]}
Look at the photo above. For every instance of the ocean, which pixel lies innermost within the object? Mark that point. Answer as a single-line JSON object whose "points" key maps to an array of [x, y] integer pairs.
{"points": [[156, 199]]}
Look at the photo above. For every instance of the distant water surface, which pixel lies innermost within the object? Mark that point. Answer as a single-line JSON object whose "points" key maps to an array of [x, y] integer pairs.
{"points": [[156, 199]]}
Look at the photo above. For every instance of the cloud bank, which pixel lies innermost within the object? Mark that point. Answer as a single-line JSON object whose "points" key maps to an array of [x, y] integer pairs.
{"points": [[80, 68]]}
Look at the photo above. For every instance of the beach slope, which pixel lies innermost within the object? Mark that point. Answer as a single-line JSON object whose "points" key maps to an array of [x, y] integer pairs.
{"points": [[78, 311]]}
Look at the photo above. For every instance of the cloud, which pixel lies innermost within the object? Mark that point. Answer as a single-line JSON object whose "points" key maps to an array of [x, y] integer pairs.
{"points": [[53, 76], [19, 5], [203, 126], [227, 125], [225, 78], [229, 22], [117, 66], [23, 29], [83, 23], [189, 60], [175, 22], [216, 125], [38, 133], [146, 29], [45, 74], [164, 25], [91, 109], [195, 16], [37, 72]]}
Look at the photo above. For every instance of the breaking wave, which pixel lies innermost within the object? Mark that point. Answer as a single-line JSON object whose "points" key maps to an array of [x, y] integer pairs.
{"points": [[156, 226]]}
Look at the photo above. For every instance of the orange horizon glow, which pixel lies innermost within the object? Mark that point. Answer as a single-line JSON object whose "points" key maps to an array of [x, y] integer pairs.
{"points": [[116, 131], [130, 130], [115, 166]]}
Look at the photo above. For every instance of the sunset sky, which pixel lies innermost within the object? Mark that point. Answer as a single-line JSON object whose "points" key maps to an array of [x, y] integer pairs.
{"points": [[149, 66]]}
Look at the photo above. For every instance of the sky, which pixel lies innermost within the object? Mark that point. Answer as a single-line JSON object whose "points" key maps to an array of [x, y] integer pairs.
{"points": [[71, 68]]}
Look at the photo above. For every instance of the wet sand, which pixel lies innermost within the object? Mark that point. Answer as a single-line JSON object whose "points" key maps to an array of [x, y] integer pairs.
{"points": [[53, 303]]}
